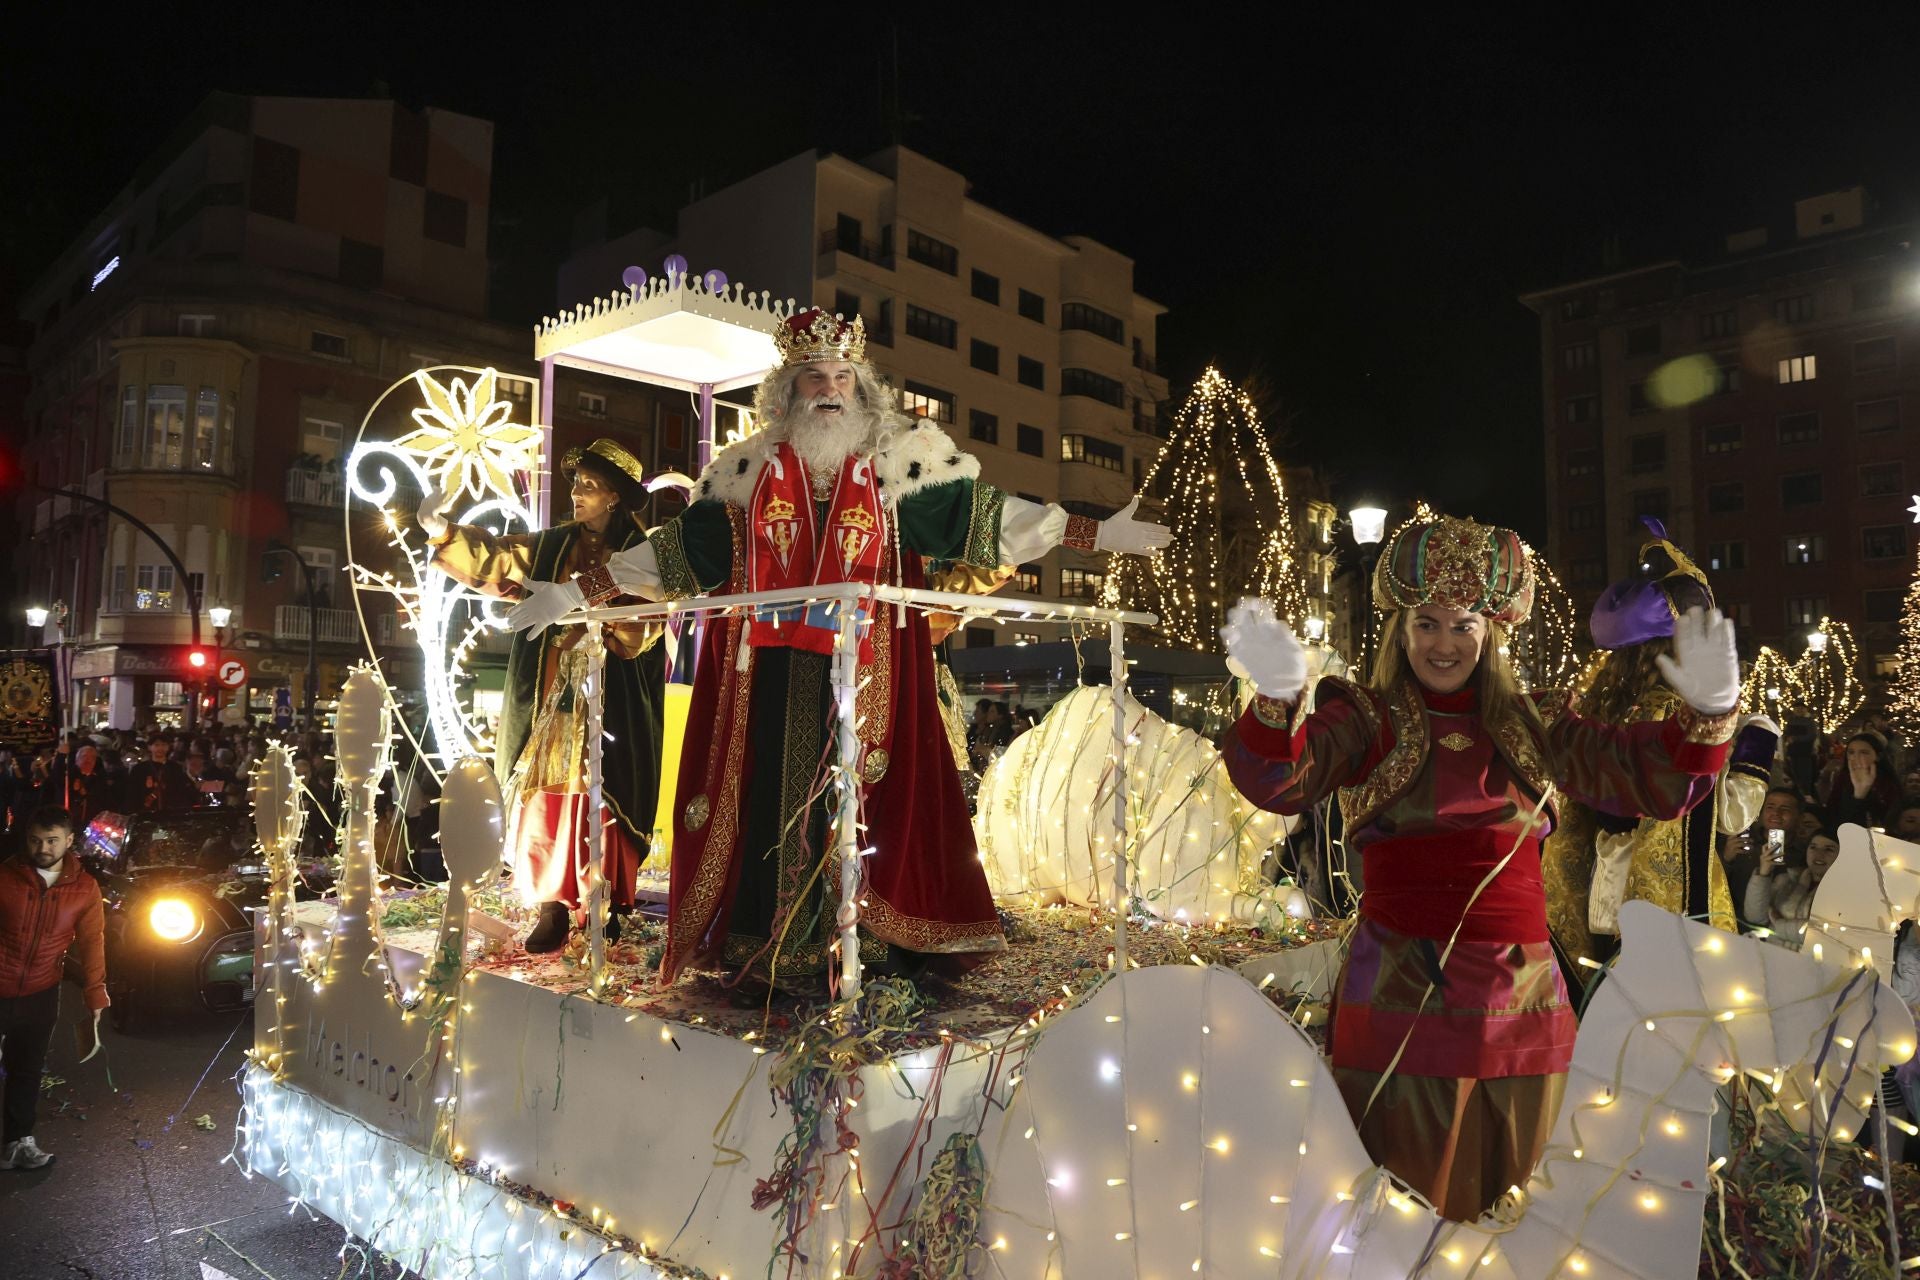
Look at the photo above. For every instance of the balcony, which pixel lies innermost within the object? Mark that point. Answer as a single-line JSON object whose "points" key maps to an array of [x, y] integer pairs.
{"points": [[865, 250], [337, 626], [316, 488]]}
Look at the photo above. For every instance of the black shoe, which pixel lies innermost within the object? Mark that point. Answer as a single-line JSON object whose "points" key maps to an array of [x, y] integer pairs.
{"points": [[550, 931], [614, 917]]}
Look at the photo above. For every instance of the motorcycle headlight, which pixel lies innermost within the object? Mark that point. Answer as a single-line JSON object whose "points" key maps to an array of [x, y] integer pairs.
{"points": [[174, 919]]}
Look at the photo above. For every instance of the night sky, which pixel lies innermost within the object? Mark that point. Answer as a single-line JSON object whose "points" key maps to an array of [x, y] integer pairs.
{"points": [[1346, 212]]}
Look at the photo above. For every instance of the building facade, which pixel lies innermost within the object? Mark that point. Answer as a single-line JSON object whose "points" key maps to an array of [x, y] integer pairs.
{"points": [[1034, 351], [204, 355], [1759, 404]]}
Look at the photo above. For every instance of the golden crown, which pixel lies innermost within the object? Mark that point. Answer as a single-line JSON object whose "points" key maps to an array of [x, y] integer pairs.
{"points": [[778, 509], [858, 517], [814, 335], [607, 451]]}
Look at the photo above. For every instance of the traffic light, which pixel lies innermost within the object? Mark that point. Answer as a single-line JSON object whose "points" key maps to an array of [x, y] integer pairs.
{"points": [[199, 660]]}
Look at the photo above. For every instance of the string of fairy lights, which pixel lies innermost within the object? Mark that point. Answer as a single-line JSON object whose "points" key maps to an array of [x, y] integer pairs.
{"points": [[1823, 684], [1187, 584], [1904, 704]]}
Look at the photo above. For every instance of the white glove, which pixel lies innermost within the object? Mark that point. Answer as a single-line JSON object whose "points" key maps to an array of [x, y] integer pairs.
{"points": [[1121, 532], [432, 513], [1260, 646], [547, 604], [1704, 669]]}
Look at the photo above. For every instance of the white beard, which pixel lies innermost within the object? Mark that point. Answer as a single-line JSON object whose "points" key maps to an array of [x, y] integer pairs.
{"points": [[823, 440]]}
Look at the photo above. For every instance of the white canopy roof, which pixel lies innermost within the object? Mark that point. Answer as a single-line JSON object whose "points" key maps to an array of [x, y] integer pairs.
{"points": [[669, 332]]}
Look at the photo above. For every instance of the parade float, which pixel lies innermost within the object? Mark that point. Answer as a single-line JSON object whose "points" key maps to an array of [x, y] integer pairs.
{"points": [[1134, 1088]]}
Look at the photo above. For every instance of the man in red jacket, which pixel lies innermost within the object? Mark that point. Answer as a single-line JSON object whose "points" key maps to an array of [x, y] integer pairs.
{"points": [[49, 906]]}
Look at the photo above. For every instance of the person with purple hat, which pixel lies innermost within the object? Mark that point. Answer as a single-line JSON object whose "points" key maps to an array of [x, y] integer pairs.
{"points": [[1596, 861]]}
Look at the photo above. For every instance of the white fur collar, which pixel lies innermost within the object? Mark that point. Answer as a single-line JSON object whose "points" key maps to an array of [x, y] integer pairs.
{"points": [[915, 454]]}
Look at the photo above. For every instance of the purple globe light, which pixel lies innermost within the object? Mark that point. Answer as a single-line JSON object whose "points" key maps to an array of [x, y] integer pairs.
{"points": [[634, 277], [715, 280], [676, 268]]}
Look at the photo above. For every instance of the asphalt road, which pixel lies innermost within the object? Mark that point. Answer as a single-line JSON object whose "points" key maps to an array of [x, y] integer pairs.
{"points": [[138, 1190]]}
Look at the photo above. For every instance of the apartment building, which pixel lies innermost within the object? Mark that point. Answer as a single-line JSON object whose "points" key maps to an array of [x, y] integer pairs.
{"points": [[1757, 402]]}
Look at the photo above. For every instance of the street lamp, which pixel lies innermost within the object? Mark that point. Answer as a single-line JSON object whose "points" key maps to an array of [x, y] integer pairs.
{"points": [[219, 615], [1316, 627], [36, 616], [1369, 525], [1817, 641]]}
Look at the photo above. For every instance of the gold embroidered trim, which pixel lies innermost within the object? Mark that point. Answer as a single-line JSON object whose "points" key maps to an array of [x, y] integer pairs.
{"points": [[1456, 741], [697, 812], [874, 767], [1359, 804], [1552, 704], [873, 704], [1708, 731], [1272, 712], [801, 741], [1083, 534], [938, 937], [596, 585], [983, 524], [670, 552]]}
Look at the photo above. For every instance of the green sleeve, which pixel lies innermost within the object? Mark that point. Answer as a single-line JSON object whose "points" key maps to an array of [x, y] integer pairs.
{"points": [[694, 550], [958, 520]]}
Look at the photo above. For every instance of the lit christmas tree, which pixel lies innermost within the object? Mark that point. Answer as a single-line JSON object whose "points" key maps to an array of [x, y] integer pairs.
{"points": [[1227, 542], [1548, 647], [1826, 679], [1904, 705]]}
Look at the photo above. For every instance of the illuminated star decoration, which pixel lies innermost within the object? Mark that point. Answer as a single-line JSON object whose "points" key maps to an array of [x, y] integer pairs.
{"points": [[465, 441], [1915, 508]]}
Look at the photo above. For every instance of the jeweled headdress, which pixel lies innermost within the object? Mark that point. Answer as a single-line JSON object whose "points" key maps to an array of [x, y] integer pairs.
{"points": [[1457, 564], [608, 451], [815, 335]]}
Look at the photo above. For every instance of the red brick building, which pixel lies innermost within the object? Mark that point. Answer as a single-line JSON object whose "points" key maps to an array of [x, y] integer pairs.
{"points": [[1763, 404]]}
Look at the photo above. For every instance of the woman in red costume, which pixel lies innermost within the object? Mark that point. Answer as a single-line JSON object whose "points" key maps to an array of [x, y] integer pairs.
{"points": [[1452, 1031]]}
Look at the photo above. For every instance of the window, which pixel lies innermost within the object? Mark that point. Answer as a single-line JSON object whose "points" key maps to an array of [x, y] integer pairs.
{"points": [[592, 404], [1881, 480], [1078, 448], [1027, 578], [986, 287], [1727, 557], [1805, 548], [673, 432], [882, 331], [1647, 453], [274, 189], [980, 637], [983, 426], [1081, 584], [445, 219], [166, 426], [1031, 440], [1726, 498], [1033, 373], [1085, 382], [1033, 306], [206, 430], [1643, 340], [1876, 415], [1883, 542], [129, 437], [1806, 611], [322, 438], [194, 326], [1024, 638], [931, 326], [1588, 570], [1718, 324], [330, 345], [1577, 308], [1582, 462], [927, 402], [938, 254], [1800, 490], [1725, 437], [846, 305], [1876, 291], [1583, 409], [1583, 515], [1799, 428], [1078, 315], [846, 238], [1882, 605], [1726, 379], [1795, 310], [1644, 503], [153, 586], [1576, 356], [1637, 401], [1797, 369], [985, 356], [362, 265], [1874, 355]]}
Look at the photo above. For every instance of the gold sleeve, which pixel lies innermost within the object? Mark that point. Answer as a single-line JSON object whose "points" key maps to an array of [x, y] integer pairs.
{"points": [[497, 565], [971, 579]]}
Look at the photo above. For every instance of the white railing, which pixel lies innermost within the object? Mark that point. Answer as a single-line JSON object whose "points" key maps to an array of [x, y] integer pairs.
{"points": [[316, 488], [337, 626], [843, 599]]}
